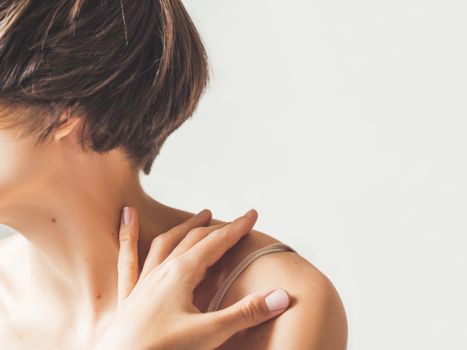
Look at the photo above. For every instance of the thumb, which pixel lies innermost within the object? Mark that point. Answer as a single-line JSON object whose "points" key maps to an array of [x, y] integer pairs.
{"points": [[250, 311]]}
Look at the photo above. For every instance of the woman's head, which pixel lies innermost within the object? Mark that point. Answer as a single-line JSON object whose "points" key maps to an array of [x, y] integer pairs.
{"points": [[132, 70]]}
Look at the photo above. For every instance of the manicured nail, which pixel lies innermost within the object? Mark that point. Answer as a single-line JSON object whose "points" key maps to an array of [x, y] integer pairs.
{"points": [[277, 300], [127, 215]]}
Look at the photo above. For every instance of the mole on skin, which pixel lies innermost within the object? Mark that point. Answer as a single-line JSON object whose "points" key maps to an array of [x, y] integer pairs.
{"points": [[53, 220]]}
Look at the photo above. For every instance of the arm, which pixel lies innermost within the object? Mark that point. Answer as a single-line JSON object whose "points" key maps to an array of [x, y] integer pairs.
{"points": [[315, 319]]}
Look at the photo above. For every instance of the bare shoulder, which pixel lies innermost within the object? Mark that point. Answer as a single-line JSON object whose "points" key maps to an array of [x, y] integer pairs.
{"points": [[11, 248], [10, 265], [7, 241], [315, 319]]}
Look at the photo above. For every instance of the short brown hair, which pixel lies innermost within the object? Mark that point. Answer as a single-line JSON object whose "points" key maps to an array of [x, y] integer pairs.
{"points": [[137, 70]]}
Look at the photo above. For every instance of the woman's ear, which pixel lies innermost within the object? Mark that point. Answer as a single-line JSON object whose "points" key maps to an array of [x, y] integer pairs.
{"points": [[67, 124]]}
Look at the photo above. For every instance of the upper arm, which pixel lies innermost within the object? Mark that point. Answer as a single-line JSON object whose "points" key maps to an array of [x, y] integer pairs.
{"points": [[315, 318]]}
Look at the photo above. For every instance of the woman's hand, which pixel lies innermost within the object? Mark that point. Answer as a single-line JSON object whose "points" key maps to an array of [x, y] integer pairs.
{"points": [[155, 308]]}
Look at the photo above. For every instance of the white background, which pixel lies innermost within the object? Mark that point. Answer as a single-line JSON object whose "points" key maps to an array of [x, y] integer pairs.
{"points": [[343, 124]]}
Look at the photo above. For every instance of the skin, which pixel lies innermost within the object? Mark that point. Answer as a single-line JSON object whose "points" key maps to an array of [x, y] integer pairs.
{"points": [[63, 267], [155, 307]]}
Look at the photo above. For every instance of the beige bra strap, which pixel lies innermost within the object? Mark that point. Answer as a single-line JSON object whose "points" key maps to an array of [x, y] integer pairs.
{"points": [[271, 248]]}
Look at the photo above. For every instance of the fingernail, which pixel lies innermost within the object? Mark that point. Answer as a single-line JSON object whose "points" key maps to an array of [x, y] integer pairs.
{"points": [[126, 215], [277, 300]]}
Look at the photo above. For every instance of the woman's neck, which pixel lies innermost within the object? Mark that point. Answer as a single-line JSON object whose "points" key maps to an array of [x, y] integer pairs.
{"points": [[71, 228]]}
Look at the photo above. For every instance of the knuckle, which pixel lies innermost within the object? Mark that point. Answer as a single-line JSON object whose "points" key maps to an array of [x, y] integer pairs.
{"points": [[125, 264], [217, 233], [178, 266], [126, 235], [160, 240], [220, 237], [252, 309], [196, 232]]}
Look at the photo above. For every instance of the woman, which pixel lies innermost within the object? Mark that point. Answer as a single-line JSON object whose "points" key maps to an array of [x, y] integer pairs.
{"points": [[89, 92]]}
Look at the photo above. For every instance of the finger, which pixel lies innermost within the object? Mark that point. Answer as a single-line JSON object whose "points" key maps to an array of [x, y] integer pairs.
{"points": [[127, 265], [164, 244], [207, 251], [250, 311], [193, 237]]}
